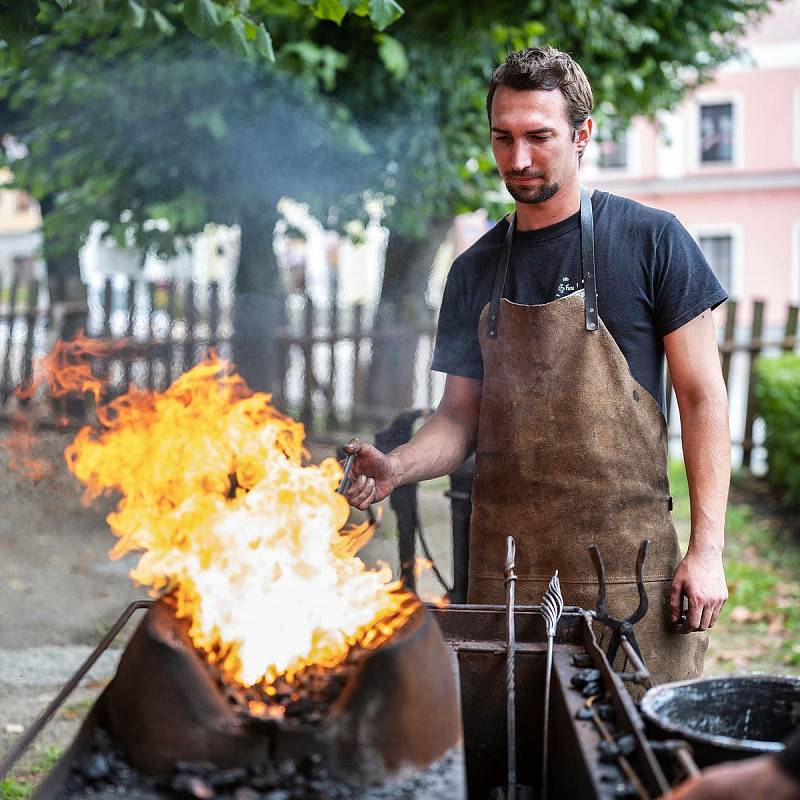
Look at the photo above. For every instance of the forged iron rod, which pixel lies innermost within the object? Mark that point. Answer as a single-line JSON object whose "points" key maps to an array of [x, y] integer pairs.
{"points": [[684, 757], [347, 467], [346, 481], [552, 608], [24, 741], [511, 712], [640, 674]]}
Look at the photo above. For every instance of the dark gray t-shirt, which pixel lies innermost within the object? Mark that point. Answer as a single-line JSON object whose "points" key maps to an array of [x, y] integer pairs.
{"points": [[652, 278]]}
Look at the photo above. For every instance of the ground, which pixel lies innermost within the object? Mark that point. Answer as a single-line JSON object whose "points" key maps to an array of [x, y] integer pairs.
{"points": [[59, 593]]}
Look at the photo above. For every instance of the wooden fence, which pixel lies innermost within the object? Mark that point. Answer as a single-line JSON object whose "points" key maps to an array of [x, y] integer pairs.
{"points": [[23, 322], [746, 344], [323, 354]]}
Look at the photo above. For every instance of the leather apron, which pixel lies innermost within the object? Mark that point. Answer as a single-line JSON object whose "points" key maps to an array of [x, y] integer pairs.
{"points": [[572, 451]]}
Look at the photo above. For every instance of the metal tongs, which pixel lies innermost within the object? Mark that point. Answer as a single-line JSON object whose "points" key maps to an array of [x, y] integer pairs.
{"points": [[622, 633]]}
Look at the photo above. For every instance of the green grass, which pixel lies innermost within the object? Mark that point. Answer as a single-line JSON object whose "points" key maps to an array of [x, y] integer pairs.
{"points": [[48, 758], [679, 489], [762, 567], [23, 787], [436, 484], [12, 789], [764, 578]]}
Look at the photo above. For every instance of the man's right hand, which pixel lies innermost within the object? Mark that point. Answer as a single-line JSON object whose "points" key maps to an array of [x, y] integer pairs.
{"points": [[373, 475], [437, 448]]}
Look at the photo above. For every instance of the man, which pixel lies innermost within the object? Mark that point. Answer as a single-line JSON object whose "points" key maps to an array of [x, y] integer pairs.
{"points": [[554, 375]]}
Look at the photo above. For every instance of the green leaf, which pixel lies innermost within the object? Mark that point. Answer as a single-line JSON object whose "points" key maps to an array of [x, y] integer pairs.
{"points": [[322, 62], [384, 12], [263, 43], [330, 9], [160, 211], [393, 55], [201, 17], [232, 35], [636, 81], [210, 119], [136, 14], [17, 22], [243, 5], [162, 23]]}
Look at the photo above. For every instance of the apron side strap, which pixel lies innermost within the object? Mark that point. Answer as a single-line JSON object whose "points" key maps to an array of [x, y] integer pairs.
{"points": [[500, 279], [587, 263]]}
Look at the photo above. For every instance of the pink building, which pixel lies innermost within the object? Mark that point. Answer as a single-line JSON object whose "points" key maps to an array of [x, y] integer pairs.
{"points": [[727, 163]]}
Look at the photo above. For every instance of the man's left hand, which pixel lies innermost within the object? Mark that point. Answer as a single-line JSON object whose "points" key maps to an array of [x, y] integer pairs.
{"points": [[700, 577]]}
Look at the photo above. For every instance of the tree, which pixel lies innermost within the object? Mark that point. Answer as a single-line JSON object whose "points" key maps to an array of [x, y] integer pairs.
{"points": [[155, 132], [431, 145], [226, 21], [397, 114]]}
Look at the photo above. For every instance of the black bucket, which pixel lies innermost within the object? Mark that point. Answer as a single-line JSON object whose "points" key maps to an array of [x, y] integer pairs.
{"points": [[727, 717]]}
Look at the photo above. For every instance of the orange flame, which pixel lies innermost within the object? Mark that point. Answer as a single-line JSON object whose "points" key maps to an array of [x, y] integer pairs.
{"points": [[67, 369], [20, 444], [245, 538], [422, 566]]}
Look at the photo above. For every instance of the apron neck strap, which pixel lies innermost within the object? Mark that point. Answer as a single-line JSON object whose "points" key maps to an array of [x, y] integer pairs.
{"points": [[587, 265]]}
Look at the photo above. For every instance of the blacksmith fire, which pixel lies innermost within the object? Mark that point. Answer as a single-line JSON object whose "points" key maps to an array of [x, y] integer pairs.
{"points": [[272, 664]]}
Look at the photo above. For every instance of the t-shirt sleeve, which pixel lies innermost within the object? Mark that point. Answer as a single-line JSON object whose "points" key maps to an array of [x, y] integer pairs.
{"points": [[684, 283], [457, 350]]}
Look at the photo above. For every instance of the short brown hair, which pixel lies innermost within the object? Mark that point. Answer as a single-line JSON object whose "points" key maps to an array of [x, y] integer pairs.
{"points": [[545, 68]]}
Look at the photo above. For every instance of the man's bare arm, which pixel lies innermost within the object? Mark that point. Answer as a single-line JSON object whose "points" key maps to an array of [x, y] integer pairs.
{"points": [[702, 399], [438, 448]]}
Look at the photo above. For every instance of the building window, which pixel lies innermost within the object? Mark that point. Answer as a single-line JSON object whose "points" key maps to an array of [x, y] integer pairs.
{"points": [[613, 149], [716, 133], [719, 252]]}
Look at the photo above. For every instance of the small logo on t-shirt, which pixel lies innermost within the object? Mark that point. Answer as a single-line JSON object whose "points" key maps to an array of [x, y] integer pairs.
{"points": [[567, 287]]}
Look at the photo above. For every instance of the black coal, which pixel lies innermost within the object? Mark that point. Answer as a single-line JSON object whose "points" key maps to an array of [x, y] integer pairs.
{"points": [[102, 773]]}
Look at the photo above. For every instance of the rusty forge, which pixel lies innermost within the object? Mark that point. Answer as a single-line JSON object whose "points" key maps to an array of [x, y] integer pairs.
{"points": [[463, 701]]}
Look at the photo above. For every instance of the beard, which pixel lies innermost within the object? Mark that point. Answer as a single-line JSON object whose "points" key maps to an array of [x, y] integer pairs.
{"points": [[536, 193]]}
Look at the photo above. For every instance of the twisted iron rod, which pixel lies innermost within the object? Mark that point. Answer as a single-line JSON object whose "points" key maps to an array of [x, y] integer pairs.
{"points": [[552, 608]]}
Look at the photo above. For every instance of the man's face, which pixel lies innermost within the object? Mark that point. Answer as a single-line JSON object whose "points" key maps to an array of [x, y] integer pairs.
{"points": [[533, 143]]}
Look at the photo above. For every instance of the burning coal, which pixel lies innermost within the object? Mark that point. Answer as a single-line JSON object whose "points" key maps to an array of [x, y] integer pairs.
{"points": [[245, 540]]}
